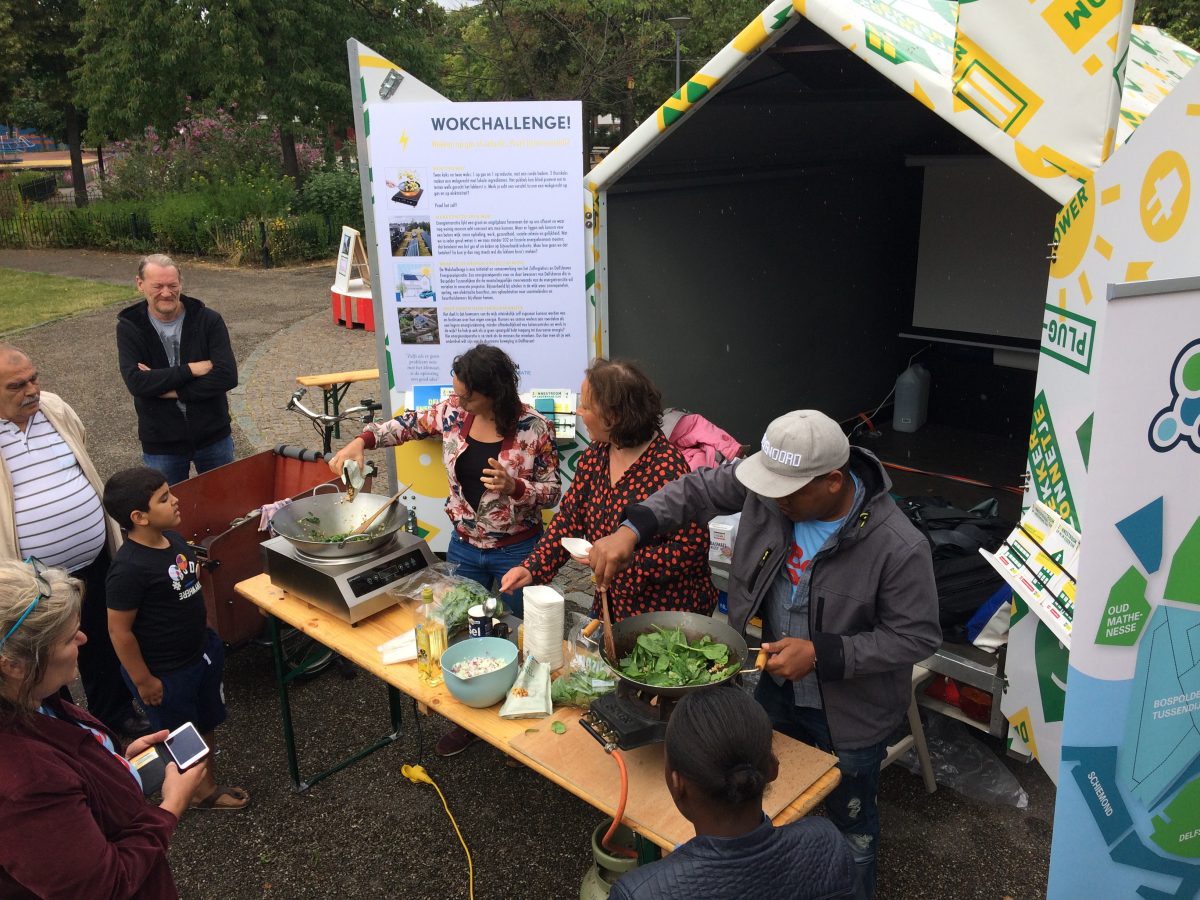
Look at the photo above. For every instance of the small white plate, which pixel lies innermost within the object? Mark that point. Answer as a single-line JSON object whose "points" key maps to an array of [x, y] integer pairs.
{"points": [[577, 547]]}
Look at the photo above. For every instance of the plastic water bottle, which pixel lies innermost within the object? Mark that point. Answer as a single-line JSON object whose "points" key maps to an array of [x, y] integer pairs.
{"points": [[912, 399]]}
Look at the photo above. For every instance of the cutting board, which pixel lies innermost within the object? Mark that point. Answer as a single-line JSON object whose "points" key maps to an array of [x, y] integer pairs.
{"points": [[577, 761]]}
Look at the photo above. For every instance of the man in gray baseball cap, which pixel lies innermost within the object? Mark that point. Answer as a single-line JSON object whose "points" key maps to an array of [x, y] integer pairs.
{"points": [[843, 583]]}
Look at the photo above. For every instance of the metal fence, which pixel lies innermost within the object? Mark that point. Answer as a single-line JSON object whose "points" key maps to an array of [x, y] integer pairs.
{"points": [[264, 242]]}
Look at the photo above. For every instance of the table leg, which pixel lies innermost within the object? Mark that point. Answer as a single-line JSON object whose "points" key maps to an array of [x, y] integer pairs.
{"points": [[647, 851], [333, 397], [283, 679]]}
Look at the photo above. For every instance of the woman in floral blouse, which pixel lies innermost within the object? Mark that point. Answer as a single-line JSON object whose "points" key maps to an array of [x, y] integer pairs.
{"points": [[629, 460], [500, 458]]}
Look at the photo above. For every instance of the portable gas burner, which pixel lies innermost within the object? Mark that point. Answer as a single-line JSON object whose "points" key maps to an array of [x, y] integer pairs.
{"points": [[628, 717], [349, 587]]}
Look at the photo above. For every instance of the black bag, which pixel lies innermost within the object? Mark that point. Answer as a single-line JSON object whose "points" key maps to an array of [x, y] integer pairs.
{"points": [[964, 579]]}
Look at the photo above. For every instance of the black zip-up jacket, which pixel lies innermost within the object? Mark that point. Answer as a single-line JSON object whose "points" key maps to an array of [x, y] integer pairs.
{"points": [[162, 426], [873, 609]]}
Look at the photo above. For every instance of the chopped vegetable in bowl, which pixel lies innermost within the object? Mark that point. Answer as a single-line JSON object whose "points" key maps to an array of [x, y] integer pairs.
{"points": [[477, 665]]}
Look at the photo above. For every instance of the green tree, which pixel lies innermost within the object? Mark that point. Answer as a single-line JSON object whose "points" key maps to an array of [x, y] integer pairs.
{"points": [[1179, 18], [617, 56], [282, 59], [35, 84]]}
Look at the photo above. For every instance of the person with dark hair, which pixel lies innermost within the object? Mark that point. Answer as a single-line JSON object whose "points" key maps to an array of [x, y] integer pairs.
{"points": [[843, 582], [502, 465], [628, 460], [500, 457], [74, 821], [158, 621], [719, 762]]}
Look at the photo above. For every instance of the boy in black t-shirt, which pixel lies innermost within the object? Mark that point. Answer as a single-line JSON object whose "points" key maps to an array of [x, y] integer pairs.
{"points": [[170, 658]]}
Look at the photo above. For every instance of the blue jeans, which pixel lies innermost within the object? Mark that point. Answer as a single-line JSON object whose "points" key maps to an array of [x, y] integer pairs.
{"points": [[195, 693], [488, 566], [853, 806], [177, 466]]}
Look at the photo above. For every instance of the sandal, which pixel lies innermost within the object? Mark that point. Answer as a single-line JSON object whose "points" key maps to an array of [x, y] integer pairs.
{"points": [[238, 799]]}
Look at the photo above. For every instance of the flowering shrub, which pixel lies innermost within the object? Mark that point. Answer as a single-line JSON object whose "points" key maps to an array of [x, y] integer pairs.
{"points": [[211, 147]]}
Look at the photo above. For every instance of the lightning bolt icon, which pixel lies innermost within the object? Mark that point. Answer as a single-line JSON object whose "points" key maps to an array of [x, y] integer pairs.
{"points": [[404, 139]]}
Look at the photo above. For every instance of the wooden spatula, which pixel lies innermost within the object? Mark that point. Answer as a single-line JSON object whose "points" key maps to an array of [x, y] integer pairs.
{"points": [[610, 648], [359, 529]]}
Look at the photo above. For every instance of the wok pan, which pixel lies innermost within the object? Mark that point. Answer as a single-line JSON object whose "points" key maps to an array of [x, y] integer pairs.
{"points": [[694, 625], [337, 517]]}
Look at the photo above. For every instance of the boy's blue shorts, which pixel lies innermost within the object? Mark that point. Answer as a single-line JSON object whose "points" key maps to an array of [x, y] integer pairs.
{"points": [[195, 693]]}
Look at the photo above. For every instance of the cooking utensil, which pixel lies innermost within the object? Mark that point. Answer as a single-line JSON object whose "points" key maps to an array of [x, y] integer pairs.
{"points": [[337, 517], [610, 647], [366, 523], [694, 625]]}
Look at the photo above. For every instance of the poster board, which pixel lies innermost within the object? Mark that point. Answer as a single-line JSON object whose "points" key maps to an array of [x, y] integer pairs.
{"points": [[353, 270], [1134, 220], [474, 235], [1127, 820]]}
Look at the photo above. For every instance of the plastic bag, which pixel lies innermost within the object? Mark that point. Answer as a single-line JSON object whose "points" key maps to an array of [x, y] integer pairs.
{"points": [[584, 675], [965, 764], [453, 595], [529, 697]]}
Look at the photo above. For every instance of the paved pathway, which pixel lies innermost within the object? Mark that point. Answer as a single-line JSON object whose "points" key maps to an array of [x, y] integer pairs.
{"points": [[367, 831]]}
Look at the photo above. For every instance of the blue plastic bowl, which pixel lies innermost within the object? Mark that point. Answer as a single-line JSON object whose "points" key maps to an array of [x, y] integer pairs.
{"points": [[482, 690]]}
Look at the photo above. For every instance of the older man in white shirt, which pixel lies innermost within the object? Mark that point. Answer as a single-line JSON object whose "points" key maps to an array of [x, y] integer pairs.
{"points": [[50, 509]]}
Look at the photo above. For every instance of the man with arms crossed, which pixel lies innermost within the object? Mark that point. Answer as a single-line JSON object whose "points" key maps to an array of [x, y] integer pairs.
{"points": [[177, 362], [50, 509], [843, 582]]}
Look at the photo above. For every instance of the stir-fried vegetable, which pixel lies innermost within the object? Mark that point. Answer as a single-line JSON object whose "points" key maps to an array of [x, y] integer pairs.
{"points": [[312, 530], [664, 658]]}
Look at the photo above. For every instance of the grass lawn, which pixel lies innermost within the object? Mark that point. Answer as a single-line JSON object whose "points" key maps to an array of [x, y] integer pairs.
{"points": [[31, 298]]}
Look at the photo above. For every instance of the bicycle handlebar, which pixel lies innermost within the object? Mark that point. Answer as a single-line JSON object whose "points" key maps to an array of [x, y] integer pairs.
{"points": [[367, 407]]}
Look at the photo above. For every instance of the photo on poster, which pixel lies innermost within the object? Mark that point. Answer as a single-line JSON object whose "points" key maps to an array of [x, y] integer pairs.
{"points": [[416, 283], [419, 325], [410, 236], [407, 187]]}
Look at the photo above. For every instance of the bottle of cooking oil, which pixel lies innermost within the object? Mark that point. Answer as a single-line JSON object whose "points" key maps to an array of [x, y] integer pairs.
{"points": [[431, 640]]}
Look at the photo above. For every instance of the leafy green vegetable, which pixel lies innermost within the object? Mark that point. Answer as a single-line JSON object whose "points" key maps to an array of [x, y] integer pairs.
{"points": [[558, 727], [664, 658], [456, 601], [580, 687]]}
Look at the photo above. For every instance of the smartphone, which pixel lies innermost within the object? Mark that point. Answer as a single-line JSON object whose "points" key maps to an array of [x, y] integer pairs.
{"points": [[186, 746]]}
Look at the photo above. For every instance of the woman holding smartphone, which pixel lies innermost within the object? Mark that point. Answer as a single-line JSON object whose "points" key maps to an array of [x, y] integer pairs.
{"points": [[73, 818]]}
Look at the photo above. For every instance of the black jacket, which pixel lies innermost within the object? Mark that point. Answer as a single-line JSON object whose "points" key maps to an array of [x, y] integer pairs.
{"points": [[806, 860], [162, 425]]}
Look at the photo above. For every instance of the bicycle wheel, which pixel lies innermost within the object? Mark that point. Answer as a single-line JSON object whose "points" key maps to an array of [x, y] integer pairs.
{"points": [[302, 655]]}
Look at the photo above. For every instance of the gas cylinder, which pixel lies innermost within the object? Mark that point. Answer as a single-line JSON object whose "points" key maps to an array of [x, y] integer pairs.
{"points": [[607, 868]]}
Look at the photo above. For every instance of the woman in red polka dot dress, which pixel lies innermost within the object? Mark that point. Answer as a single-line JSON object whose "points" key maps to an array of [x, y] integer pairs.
{"points": [[628, 460]]}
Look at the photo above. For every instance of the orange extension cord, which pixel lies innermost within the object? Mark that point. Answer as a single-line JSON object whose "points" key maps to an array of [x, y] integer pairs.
{"points": [[612, 829]]}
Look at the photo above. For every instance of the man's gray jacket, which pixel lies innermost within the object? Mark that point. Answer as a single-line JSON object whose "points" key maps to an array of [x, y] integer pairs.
{"points": [[873, 608]]}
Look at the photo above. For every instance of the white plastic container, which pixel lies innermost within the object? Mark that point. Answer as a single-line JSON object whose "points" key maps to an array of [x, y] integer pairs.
{"points": [[912, 399], [722, 534]]}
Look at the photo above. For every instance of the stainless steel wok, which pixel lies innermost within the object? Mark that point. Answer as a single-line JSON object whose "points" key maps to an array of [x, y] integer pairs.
{"points": [[694, 625], [337, 516]]}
